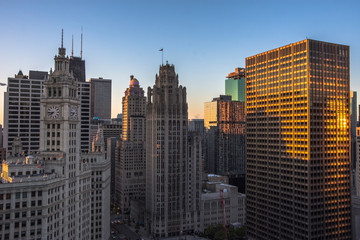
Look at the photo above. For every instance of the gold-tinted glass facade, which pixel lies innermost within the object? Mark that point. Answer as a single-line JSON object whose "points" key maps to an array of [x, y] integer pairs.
{"points": [[298, 146]]}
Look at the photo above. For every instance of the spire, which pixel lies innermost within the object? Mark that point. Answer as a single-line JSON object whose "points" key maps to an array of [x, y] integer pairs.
{"points": [[81, 43], [62, 38], [72, 46], [62, 50]]}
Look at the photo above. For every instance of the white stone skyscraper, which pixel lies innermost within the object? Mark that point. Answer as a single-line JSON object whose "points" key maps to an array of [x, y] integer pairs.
{"points": [[171, 205], [57, 193], [133, 155]]}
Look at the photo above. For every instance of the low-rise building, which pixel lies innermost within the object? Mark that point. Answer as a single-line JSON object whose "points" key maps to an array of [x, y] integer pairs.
{"points": [[213, 197]]}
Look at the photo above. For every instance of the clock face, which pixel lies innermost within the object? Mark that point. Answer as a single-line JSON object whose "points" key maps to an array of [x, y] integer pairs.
{"points": [[73, 112], [53, 112]]}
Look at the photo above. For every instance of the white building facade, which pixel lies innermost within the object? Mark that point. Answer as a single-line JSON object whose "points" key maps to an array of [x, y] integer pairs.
{"points": [[57, 193]]}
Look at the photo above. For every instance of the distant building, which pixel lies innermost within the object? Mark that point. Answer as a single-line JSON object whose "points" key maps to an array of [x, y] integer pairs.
{"points": [[173, 160], [85, 110], [22, 110], [111, 130], [118, 166], [2, 154], [100, 98], [1, 136], [235, 85], [356, 177], [353, 125], [355, 218], [77, 67], [110, 154], [212, 212], [197, 125], [133, 151], [225, 136], [217, 178]]}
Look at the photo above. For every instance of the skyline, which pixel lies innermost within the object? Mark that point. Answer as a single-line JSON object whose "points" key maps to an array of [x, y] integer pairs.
{"points": [[205, 40]]}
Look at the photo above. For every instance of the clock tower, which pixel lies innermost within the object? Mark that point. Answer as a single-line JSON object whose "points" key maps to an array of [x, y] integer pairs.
{"points": [[60, 104], [60, 145]]}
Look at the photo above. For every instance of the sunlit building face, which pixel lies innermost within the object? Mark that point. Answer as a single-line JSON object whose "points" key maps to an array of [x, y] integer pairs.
{"points": [[298, 145]]}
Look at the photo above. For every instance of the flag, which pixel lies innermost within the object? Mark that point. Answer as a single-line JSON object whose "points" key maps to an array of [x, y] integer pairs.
{"points": [[161, 50]]}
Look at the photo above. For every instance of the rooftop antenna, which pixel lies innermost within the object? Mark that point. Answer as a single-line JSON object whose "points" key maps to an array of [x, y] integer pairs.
{"points": [[62, 38], [72, 46], [81, 42]]}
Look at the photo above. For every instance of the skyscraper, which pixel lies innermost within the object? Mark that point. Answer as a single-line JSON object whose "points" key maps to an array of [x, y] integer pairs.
{"points": [[77, 64], [235, 85], [100, 98], [171, 170], [298, 142], [85, 108], [133, 155], [57, 193], [22, 110], [77, 67], [225, 136]]}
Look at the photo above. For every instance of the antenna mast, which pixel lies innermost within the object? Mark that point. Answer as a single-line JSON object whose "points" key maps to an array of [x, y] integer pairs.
{"points": [[62, 38], [81, 42], [72, 46]]}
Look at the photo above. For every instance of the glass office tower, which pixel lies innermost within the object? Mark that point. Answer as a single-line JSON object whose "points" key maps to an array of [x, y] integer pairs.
{"points": [[298, 142]]}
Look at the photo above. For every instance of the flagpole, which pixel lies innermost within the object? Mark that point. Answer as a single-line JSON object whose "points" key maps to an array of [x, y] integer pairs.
{"points": [[162, 56]]}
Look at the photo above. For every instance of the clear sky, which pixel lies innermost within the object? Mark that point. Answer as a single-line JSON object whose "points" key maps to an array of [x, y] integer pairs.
{"points": [[204, 39]]}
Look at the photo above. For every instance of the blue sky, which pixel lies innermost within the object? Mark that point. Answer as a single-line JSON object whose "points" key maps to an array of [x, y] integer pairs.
{"points": [[205, 40]]}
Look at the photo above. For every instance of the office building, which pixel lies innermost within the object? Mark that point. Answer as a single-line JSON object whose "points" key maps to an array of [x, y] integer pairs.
{"points": [[355, 217], [77, 67], [212, 209], [235, 85], [100, 98], [118, 167], [100, 167], [1, 136], [356, 177], [112, 129], [85, 108], [171, 205], [110, 154], [353, 125], [225, 136], [197, 125], [22, 110], [133, 155], [298, 142]]}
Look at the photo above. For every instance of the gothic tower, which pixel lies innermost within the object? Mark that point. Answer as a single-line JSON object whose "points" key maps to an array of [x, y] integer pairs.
{"points": [[169, 212], [132, 161]]}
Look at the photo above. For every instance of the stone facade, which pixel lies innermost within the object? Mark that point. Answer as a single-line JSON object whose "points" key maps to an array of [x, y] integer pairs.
{"points": [[57, 193], [132, 161], [170, 209]]}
